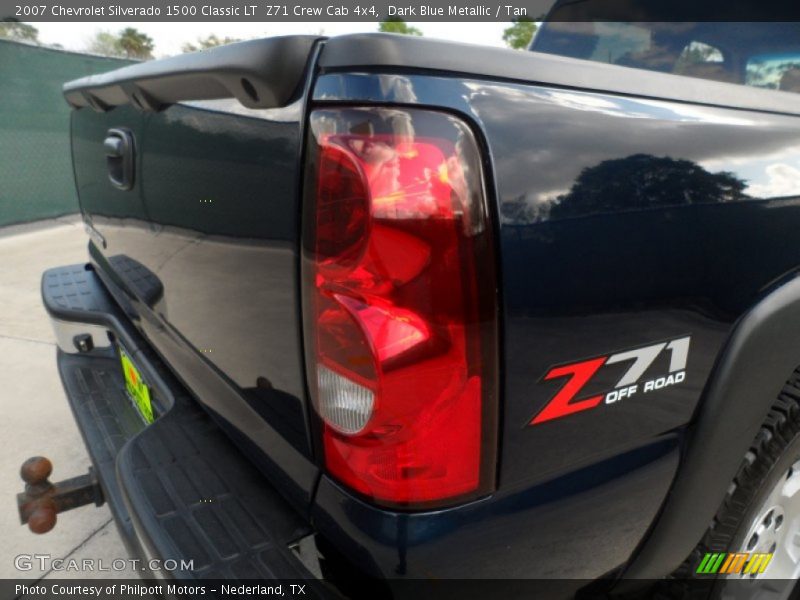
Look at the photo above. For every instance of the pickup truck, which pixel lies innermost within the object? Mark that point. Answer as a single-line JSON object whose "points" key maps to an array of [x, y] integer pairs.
{"points": [[381, 309]]}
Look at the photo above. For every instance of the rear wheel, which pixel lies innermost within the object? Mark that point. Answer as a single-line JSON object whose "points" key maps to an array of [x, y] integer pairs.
{"points": [[776, 527], [761, 511]]}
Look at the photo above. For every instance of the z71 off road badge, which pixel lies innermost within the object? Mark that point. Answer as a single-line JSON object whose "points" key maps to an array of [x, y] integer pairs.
{"points": [[579, 374]]}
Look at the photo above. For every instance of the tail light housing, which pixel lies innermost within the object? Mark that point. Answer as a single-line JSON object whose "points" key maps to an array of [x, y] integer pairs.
{"points": [[399, 294]]}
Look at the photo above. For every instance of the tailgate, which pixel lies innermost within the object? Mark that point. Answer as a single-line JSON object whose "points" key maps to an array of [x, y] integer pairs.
{"points": [[187, 171]]}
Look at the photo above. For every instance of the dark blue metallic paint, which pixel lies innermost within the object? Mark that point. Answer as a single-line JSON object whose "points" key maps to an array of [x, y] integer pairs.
{"points": [[588, 270], [576, 526]]}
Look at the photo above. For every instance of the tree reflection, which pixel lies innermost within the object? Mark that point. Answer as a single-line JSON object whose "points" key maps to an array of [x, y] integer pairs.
{"points": [[643, 181]]}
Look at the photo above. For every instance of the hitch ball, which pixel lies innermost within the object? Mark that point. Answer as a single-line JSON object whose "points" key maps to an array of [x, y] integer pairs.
{"points": [[41, 510], [42, 501]]}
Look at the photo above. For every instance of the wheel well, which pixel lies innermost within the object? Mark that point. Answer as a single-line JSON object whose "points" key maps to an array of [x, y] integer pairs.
{"points": [[758, 359]]}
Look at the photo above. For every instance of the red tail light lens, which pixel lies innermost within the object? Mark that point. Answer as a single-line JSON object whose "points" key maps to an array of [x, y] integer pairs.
{"points": [[400, 309]]}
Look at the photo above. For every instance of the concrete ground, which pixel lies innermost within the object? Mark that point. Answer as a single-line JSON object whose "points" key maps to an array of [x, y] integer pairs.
{"points": [[36, 419]]}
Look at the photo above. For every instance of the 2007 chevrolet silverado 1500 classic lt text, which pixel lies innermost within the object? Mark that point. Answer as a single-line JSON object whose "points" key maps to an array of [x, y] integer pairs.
{"points": [[392, 308]]}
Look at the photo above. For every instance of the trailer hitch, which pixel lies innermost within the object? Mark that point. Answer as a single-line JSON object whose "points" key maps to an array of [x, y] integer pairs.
{"points": [[42, 500]]}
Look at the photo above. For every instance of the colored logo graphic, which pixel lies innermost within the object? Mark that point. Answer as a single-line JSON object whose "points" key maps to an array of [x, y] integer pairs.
{"points": [[633, 382], [729, 563]]}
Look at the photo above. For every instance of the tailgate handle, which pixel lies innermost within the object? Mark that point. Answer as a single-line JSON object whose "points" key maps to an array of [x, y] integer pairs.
{"points": [[119, 151], [113, 146]]}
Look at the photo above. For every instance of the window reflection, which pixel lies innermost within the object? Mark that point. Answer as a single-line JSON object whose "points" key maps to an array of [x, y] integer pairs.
{"points": [[765, 55]]}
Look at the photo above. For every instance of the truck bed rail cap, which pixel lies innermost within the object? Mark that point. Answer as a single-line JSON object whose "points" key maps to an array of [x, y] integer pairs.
{"points": [[381, 51], [263, 73]]}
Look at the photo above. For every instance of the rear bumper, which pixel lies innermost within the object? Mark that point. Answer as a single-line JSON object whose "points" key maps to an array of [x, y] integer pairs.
{"points": [[178, 489]]}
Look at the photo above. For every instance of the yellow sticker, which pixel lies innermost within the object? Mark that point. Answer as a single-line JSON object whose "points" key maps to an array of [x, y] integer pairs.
{"points": [[136, 387]]}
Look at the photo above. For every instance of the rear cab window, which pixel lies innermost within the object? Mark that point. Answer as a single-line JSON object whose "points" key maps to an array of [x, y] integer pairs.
{"points": [[765, 55]]}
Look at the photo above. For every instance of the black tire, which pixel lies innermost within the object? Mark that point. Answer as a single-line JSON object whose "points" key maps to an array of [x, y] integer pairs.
{"points": [[774, 450]]}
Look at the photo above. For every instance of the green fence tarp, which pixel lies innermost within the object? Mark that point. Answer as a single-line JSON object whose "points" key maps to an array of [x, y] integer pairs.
{"points": [[35, 165]]}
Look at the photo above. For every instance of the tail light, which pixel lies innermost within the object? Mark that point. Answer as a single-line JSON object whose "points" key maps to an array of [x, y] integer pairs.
{"points": [[399, 296]]}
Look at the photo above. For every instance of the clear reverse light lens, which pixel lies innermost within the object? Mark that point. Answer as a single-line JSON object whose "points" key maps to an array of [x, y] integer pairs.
{"points": [[344, 404]]}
